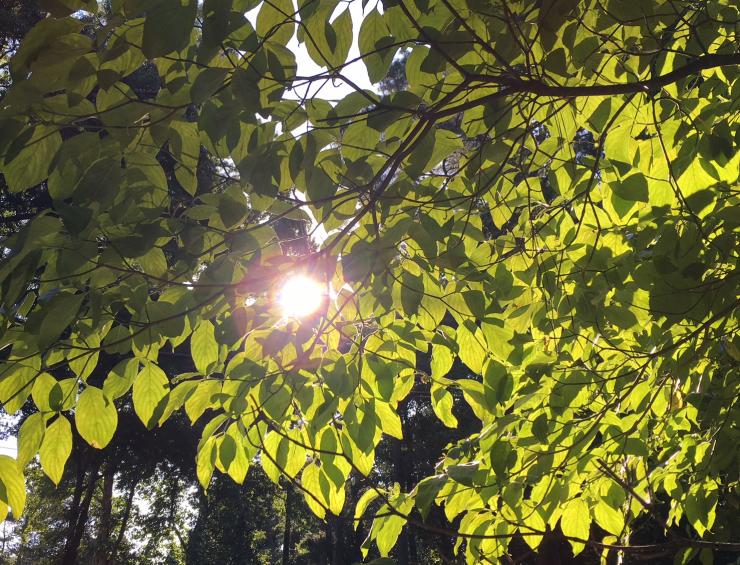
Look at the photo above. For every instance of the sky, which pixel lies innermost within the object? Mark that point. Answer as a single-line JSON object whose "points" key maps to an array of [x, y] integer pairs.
{"points": [[355, 72], [8, 446]]}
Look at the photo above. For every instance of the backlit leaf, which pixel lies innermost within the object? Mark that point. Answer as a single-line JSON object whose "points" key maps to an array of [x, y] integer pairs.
{"points": [[96, 417], [56, 448]]}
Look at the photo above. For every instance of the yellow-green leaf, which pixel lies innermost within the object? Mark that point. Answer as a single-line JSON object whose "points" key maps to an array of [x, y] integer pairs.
{"points": [[472, 347], [575, 522], [442, 403], [203, 347], [96, 417], [150, 388], [12, 485], [56, 448], [30, 436]]}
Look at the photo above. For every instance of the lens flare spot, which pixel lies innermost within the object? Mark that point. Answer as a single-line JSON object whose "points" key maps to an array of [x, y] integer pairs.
{"points": [[301, 296]]}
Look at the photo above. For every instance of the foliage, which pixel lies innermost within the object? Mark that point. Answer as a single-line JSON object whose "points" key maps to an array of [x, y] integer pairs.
{"points": [[550, 201]]}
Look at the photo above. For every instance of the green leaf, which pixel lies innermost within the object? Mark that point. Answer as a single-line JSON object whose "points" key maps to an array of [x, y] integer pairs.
{"points": [[205, 462], [426, 493], [121, 378], [176, 398], [602, 113], [327, 43], [632, 188], [168, 26], [365, 500], [442, 359], [239, 465], [154, 262], [47, 393], [498, 339], [412, 291], [319, 186], [96, 417], [374, 42], [389, 527], [431, 151], [275, 21], [575, 522], [12, 485], [472, 345], [185, 147], [15, 386], [207, 83], [56, 448], [29, 165], [57, 315], [390, 423], [463, 474], [226, 451], [150, 388], [442, 403], [499, 383], [541, 428], [341, 41], [201, 399], [701, 505], [29, 437], [315, 496], [216, 16], [608, 518], [204, 347], [282, 456]]}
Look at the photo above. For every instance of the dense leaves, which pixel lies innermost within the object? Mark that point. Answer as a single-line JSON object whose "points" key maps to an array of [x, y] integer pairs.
{"points": [[549, 203]]}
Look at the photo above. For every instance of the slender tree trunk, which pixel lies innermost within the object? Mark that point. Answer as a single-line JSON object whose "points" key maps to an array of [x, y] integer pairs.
{"points": [[74, 538], [174, 491], [180, 539], [74, 508], [353, 542], [129, 501], [328, 541], [413, 553], [102, 550], [408, 441], [23, 538], [195, 546], [288, 524], [401, 475], [337, 553]]}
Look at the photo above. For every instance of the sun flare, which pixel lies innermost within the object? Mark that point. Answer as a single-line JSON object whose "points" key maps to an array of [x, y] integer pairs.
{"points": [[301, 296]]}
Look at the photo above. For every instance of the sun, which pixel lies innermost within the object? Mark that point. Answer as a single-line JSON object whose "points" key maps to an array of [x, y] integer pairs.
{"points": [[301, 296]]}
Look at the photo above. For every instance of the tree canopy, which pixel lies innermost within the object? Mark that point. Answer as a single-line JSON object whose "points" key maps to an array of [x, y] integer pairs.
{"points": [[538, 219]]}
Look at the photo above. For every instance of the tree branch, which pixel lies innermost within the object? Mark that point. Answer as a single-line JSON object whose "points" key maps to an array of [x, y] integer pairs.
{"points": [[511, 85]]}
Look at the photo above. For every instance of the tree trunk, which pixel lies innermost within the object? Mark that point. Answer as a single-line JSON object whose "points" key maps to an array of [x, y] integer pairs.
{"points": [[195, 545], [103, 545], [328, 541], [174, 491], [401, 475], [78, 522], [288, 524], [74, 507], [413, 553], [124, 520], [337, 550]]}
